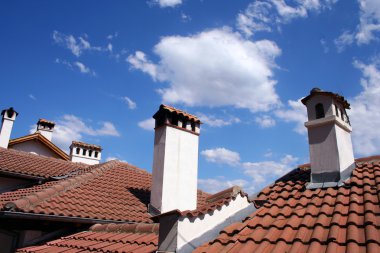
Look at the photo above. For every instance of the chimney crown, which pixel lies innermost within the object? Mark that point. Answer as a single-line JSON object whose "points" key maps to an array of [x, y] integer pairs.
{"points": [[9, 113], [85, 153], [168, 115]]}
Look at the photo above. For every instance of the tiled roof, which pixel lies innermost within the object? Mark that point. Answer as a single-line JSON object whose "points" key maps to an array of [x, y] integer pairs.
{"points": [[39, 137], [295, 219], [86, 145], [115, 191], [105, 238], [14, 161], [180, 112], [317, 91]]}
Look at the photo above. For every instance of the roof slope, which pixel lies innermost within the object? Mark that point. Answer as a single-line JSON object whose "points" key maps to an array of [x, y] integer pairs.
{"points": [[105, 238], [112, 191], [39, 137], [23, 163], [295, 219]]}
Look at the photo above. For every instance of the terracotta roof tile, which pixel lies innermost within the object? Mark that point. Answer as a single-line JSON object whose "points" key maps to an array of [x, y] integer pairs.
{"points": [[86, 145], [113, 191], [180, 112], [292, 218], [23, 163], [105, 238]]}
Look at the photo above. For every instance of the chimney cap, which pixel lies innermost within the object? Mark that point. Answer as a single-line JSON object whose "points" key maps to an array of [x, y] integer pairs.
{"points": [[45, 122], [171, 109], [318, 91], [10, 112], [86, 145]]}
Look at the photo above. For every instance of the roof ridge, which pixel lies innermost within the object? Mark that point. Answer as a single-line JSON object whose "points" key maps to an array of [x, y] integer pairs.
{"points": [[142, 228], [27, 154], [36, 198]]}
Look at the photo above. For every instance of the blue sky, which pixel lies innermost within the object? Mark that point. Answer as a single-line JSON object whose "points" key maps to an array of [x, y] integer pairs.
{"points": [[101, 69]]}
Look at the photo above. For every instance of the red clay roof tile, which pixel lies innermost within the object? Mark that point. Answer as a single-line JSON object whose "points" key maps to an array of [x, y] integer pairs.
{"points": [[296, 219]]}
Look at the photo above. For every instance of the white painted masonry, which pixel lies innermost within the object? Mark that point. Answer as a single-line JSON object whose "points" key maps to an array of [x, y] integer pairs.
{"points": [[84, 155], [194, 231], [8, 118], [175, 169], [330, 146]]}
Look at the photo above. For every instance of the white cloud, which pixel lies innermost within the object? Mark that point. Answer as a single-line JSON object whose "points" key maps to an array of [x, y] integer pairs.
{"points": [[324, 45], [261, 173], [239, 72], [31, 96], [139, 61], [131, 104], [77, 45], [147, 124], [70, 127], [167, 3], [369, 21], [296, 113], [265, 121], [185, 17], [221, 156], [263, 15], [365, 113], [214, 185], [111, 158], [76, 65], [83, 68], [344, 40], [213, 121]]}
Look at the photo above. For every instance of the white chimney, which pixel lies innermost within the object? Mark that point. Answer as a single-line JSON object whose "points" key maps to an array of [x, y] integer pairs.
{"points": [[8, 117], [175, 162], [45, 128], [329, 130], [85, 153]]}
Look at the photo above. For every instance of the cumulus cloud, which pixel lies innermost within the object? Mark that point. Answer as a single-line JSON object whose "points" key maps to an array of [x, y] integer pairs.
{"points": [[264, 15], [261, 173], [365, 113], [167, 3], [344, 40], [296, 113], [239, 72], [213, 121], [78, 66], [77, 45], [214, 185], [147, 124], [265, 121], [131, 104], [369, 25], [221, 156], [72, 128]]}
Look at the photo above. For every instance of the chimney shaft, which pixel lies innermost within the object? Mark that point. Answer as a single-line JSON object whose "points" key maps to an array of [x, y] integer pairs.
{"points": [[8, 118], [175, 162], [85, 153], [329, 131], [45, 128]]}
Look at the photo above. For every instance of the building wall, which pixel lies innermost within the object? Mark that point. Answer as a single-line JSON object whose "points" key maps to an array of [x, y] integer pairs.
{"points": [[36, 147]]}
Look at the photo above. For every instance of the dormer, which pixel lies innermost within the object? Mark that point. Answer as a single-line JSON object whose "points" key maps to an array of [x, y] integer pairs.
{"points": [[85, 153], [45, 127], [329, 132]]}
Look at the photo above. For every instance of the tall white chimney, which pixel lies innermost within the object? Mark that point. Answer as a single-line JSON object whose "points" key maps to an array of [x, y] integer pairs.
{"points": [[45, 128], [8, 117], [175, 161], [329, 131], [85, 153]]}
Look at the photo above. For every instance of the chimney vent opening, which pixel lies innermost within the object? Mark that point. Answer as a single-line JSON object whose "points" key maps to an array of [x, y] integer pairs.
{"points": [[319, 111]]}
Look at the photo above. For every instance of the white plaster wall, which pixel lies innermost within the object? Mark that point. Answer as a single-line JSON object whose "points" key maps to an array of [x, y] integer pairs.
{"points": [[47, 134], [346, 153], [34, 147], [83, 159], [5, 132], [193, 232], [175, 170], [327, 105]]}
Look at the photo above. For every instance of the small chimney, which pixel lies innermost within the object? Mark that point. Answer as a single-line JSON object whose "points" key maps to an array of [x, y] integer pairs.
{"points": [[85, 153], [8, 117], [45, 128], [329, 131], [175, 161]]}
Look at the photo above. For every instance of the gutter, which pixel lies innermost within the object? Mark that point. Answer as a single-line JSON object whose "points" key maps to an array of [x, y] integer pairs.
{"points": [[48, 217]]}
